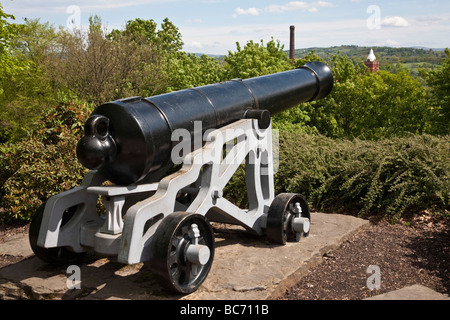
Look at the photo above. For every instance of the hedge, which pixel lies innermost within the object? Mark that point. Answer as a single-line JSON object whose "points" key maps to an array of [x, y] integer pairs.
{"points": [[388, 178]]}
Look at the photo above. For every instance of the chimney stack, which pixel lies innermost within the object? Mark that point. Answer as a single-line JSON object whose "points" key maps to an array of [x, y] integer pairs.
{"points": [[292, 45]]}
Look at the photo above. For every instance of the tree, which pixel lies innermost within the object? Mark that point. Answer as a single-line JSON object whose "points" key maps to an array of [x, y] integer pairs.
{"points": [[145, 32], [25, 88], [381, 105], [373, 106], [256, 59], [189, 70], [99, 67], [35, 40], [439, 83], [157, 56], [169, 37], [7, 63], [367, 105], [7, 31], [138, 30], [86, 64]]}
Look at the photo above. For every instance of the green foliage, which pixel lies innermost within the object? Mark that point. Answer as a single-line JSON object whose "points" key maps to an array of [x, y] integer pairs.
{"points": [[6, 31], [138, 30], [144, 32], [35, 40], [390, 178], [256, 59], [369, 105], [189, 70], [25, 88], [439, 83], [379, 105], [159, 65], [42, 165], [296, 119]]}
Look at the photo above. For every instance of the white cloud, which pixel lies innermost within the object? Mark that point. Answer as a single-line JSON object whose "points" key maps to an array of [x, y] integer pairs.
{"points": [[245, 12], [298, 5], [395, 21], [291, 6], [312, 7]]}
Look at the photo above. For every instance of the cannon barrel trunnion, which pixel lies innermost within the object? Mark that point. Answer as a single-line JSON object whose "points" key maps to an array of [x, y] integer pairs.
{"points": [[161, 215]]}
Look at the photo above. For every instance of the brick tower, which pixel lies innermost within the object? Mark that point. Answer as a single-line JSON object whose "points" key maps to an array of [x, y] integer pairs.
{"points": [[372, 63]]}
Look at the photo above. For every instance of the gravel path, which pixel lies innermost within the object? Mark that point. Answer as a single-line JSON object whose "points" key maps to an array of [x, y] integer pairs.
{"points": [[403, 254]]}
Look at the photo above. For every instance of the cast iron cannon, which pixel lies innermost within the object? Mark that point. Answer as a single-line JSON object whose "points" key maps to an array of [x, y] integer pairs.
{"points": [[158, 214]]}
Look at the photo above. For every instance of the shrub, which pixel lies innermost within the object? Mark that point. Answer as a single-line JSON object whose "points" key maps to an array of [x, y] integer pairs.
{"points": [[389, 178], [42, 165]]}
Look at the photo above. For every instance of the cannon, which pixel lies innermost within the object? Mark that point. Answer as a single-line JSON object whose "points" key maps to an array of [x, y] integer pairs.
{"points": [[160, 165]]}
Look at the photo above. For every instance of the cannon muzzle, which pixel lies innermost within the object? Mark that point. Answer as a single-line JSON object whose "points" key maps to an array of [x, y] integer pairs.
{"points": [[131, 139]]}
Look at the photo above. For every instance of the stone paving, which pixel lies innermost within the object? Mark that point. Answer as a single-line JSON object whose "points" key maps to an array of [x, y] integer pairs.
{"points": [[245, 267]]}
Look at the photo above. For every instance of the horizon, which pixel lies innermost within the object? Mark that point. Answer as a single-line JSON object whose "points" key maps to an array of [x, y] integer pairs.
{"points": [[214, 26], [343, 45]]}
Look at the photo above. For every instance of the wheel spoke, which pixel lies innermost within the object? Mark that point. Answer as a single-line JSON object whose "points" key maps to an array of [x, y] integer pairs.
{"points": [[175, 272], [176, 232], [172, 259]]}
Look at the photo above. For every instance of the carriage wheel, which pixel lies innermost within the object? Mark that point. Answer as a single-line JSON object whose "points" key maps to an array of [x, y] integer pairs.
{"points": [[288, 218], [182, 251], [54, 256]]}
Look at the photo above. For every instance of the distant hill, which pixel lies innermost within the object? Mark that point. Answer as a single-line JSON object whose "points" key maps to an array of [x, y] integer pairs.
{"points": [[428, 58], [408, 57]]}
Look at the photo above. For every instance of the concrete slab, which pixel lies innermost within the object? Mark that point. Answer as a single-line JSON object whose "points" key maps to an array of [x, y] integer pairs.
{"points": [[245, 267], [16, 245]]}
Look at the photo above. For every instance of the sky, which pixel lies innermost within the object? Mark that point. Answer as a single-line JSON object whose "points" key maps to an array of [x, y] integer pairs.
{"points": [[214, 26]]}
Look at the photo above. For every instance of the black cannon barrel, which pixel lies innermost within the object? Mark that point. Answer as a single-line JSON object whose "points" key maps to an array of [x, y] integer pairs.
{"points": [[128, 140]]}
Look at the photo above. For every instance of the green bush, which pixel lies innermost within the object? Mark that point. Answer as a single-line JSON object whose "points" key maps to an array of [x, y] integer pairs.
{"points": [[42, 165], [388, 178]]}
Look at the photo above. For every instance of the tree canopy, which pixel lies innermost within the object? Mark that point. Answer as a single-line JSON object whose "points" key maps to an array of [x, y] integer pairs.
{"points": [[41, 64]]}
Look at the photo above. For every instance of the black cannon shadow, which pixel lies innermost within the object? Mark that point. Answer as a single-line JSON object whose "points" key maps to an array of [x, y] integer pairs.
{"points": [[104, 278], [101, 278]]}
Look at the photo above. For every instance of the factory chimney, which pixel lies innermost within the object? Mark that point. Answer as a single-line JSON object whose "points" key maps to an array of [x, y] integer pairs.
{"points": [[292, 45]]}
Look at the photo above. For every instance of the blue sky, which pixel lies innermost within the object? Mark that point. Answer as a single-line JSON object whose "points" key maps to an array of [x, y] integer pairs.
{"points": [[214, 26]]}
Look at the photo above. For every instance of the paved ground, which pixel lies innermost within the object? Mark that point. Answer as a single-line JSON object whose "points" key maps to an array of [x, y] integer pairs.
{"points": [[244, 268]]}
